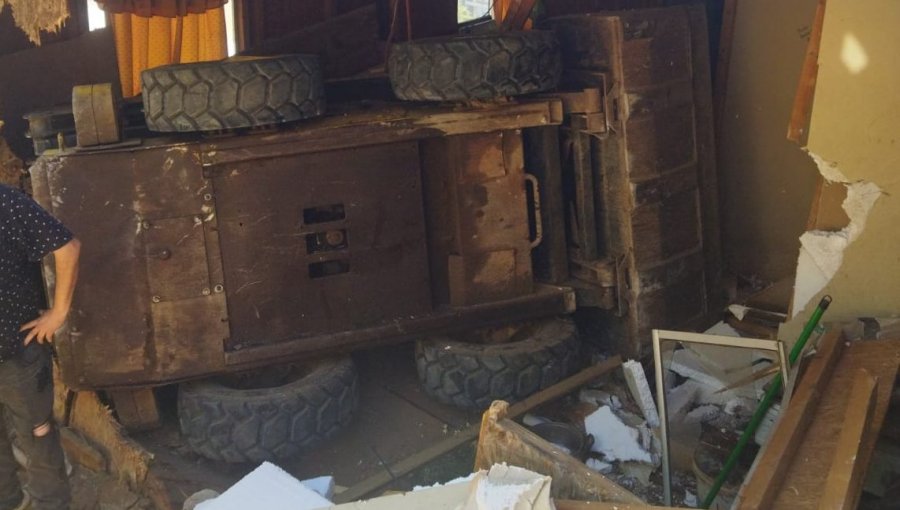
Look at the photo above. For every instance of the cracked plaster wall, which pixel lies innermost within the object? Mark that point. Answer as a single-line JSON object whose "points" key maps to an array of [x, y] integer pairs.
{"points": [[853, 138]]}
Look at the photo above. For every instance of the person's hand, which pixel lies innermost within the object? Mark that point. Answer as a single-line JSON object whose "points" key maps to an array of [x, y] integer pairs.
{"points": [[43, 328]]}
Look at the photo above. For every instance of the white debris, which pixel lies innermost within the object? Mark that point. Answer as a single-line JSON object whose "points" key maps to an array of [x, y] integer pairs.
{"points": [[690, 499], [461, 479], [599, 398], [614, 439], [640, 390], [680, 399], [530, 420], [509, 488], [269, 487], [702, 413], [722, 328], [599, 466], [323, 486], [686, 364]]}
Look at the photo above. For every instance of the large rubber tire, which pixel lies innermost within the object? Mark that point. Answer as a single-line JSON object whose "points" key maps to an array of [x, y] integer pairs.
{"points": [[475, 67], [472, 375], [232, 94], [253, 425]]}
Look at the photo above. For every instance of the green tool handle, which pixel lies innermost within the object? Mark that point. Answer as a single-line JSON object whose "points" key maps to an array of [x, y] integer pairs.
{"points": [[764, 406]]}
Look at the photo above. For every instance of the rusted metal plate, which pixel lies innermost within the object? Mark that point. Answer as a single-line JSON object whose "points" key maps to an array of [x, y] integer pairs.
{"points": [[648, 172], [176, 258], [189, 335], [211, 255], [659, 141], [477, 217], [117, 335], [317, 243], [665, 230]]}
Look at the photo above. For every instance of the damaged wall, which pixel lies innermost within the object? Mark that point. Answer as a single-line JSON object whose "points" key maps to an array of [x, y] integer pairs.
{"points": [[853, 139], [766, 181]]}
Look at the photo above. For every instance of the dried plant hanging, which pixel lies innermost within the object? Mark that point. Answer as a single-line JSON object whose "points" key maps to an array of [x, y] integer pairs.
{"points": [[33, 16]]}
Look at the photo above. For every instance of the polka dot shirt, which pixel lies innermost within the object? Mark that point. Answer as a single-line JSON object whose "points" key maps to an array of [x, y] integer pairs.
{"points": [[27, 234]]}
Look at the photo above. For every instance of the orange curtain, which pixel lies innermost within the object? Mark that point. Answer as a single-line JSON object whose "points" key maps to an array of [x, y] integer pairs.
{"points": [[142, 43]]}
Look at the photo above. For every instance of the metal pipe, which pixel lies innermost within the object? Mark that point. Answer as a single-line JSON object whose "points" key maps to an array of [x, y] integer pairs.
{"points": [[763, 407]]}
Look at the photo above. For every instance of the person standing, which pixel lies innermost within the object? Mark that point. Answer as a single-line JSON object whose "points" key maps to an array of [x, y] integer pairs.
{"points": [[28, 234]]}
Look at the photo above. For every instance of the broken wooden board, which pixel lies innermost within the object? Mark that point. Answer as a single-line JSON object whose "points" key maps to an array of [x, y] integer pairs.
{"points": [[789, 473], [503, 440]]}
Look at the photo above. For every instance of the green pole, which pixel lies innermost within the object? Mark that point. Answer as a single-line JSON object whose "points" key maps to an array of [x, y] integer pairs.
{"points": [[766, 403]]}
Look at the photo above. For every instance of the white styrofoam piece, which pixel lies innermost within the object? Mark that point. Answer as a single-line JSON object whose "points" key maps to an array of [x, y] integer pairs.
{"points": [[270, 487], [640, 390], [680, 399], [599, 466], [461, 479], [722, 328], [614, 439], [509, 488], [322, 485]]}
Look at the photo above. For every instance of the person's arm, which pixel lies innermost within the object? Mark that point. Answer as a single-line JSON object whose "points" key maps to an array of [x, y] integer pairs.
{"points": [[66, 263]]}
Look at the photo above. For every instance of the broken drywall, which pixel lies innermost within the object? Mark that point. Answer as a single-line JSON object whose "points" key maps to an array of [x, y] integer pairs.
{"points": [[33, 16], [822, 252], [854, 127]]}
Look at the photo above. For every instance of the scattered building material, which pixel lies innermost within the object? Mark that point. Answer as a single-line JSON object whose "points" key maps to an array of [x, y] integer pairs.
{"points": [[761, 486], [503, 440], [801, 475], [409, 464], [269, 487], [614, 439], [770, 345], [640, 390]]}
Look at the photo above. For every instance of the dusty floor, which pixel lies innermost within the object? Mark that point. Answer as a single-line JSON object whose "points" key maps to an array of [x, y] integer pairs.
{"points": [[395, 420]]}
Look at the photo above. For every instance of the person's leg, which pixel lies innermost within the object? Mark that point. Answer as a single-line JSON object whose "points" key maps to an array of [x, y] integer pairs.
{"points": [[10, 490], [30, 406]]}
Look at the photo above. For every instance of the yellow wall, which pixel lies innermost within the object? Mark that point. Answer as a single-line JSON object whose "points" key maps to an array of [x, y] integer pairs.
{"points": [[766, 181], [855, 128]]}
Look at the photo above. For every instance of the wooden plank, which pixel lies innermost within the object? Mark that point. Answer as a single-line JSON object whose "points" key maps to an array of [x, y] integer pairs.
{"points": [[503, 440], [798, 128], [81, 451], [542, 159], [844, 484], [804, 483], [136, 409], [427, 455], [761, 487]]}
